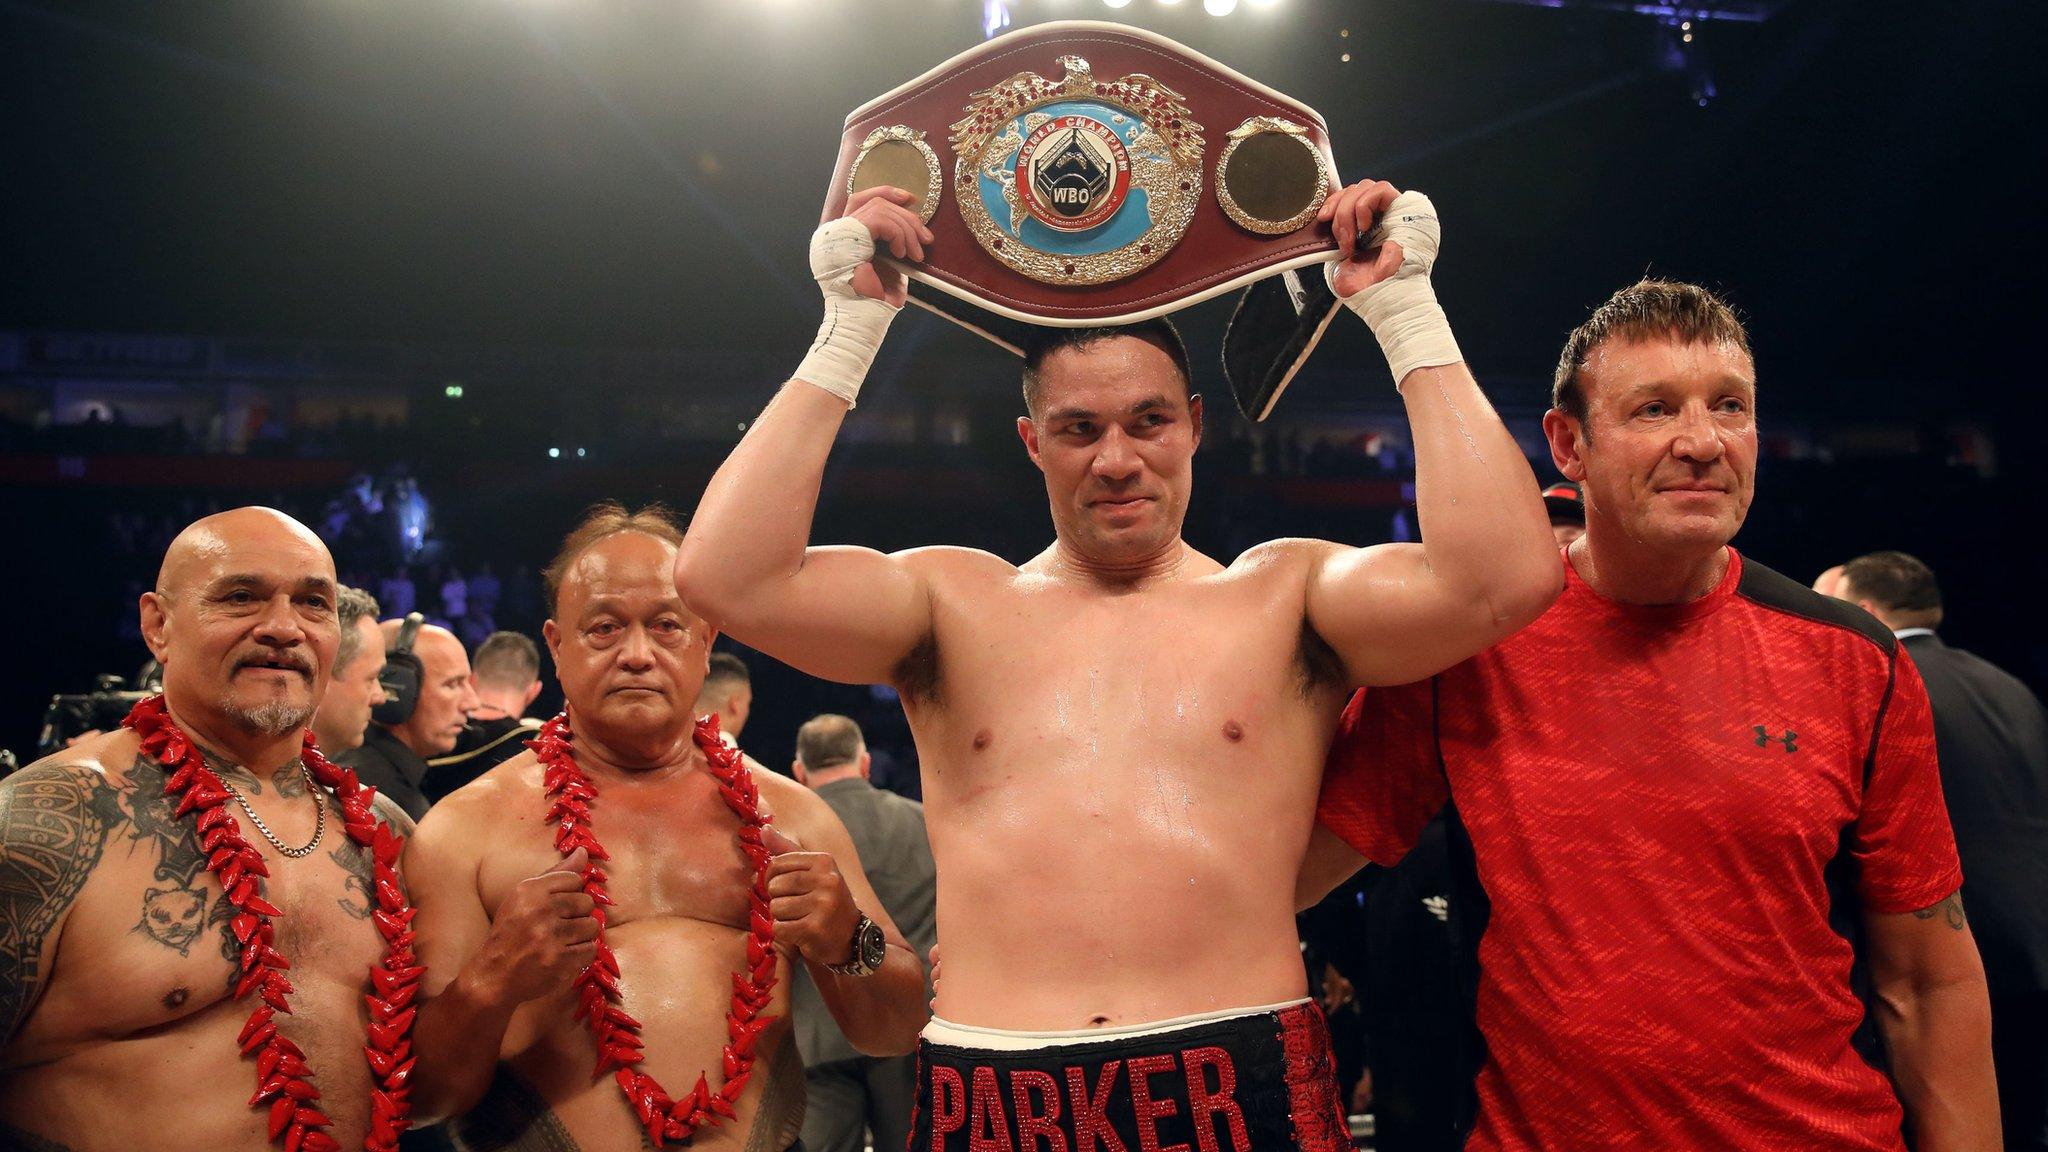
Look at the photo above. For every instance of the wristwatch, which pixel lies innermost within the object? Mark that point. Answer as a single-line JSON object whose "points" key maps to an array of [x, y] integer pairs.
{"points": [[870, 948]]}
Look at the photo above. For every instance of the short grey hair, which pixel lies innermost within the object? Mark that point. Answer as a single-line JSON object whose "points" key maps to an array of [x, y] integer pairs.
{"points": [[350, 606]]}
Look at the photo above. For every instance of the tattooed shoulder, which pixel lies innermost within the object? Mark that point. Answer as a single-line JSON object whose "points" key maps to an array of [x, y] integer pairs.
{"points": [[393, 815], [53, 828]]}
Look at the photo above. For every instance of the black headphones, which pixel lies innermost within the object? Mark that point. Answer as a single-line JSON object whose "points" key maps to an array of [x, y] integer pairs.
{"points": [[401, 676]]}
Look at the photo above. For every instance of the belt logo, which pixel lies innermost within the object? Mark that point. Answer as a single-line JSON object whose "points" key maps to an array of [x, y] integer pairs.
{"points": [[1073, 173], [1027, 1110]]}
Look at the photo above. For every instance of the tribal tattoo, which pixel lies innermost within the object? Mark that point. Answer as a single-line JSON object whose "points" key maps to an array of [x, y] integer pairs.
{"points": [[54, 821]]}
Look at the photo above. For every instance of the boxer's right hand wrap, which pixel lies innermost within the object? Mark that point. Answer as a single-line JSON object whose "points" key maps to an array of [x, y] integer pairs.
{"points": [[1402, 310], [854, 324]]}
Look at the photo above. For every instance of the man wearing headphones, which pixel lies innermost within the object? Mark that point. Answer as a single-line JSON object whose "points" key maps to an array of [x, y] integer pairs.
{"points": [[428, 699]]}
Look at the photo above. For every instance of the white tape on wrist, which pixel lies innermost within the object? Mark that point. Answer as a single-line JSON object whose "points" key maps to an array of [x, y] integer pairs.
{"points": [[1402, 310], [854, 324]]}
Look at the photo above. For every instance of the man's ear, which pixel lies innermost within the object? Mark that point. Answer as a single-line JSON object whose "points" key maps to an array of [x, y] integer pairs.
{"points": [[532, 692], [155, 611], [1567, 437], [796, 769], [1195, 415], [551, 634], [867, 763], [1028, 433]]}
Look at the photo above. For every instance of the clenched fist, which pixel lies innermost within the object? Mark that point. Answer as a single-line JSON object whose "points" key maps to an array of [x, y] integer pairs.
{"points": [[813, 909], [542, 936]]}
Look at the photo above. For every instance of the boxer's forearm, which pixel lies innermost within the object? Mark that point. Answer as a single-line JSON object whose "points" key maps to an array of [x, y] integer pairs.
{"points": [[1485, 534], [883, 1012], [1939, 1041], [754, 521], [456, 1039]]}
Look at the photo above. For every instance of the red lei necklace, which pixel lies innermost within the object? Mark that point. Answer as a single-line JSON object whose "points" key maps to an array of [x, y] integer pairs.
{"points": [[570, 792], [282, 1075]]}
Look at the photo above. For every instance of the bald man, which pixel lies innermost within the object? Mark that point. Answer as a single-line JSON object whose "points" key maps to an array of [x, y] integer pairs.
{"points": [[118, 959], [396, 749]]}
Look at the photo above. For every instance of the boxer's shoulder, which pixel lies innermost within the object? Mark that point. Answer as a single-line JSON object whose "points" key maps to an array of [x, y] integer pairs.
{"points": [[947, 562]]}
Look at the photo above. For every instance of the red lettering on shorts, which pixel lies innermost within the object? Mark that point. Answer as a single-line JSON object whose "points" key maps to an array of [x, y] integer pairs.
{"points": [[1151, 1111], [1204, 1104], [988, 1129], [1091, 1125], [949, 1104], [1032, 1125]]}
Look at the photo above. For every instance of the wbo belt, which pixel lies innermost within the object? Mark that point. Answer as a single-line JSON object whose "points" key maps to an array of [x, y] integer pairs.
{"points": [[1261, 1082], [1083, 174]]}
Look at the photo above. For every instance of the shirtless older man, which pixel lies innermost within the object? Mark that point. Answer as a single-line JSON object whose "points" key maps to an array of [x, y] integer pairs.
{"points": [[681, 984], [122, 952], [1122, 738]]}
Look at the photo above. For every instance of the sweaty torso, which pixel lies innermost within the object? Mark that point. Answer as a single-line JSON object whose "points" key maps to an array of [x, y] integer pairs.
{"points": [[133, 1042], [678, 929], [1119, 787]]}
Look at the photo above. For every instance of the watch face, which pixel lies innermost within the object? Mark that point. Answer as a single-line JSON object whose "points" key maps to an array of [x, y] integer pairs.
{"points": [[874, 947]]}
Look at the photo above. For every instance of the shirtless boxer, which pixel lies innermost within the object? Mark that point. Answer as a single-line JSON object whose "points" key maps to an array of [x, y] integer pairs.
{"points": [[1121, 740], [506, 924], [120, 949]]}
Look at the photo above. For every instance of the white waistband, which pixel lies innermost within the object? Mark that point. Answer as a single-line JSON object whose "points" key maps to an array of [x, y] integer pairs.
{"points": [[1005, 1040]]}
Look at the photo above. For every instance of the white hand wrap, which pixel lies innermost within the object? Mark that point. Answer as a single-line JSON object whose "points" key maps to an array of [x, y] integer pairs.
{"points": [[1402, 310], [854, 324]]}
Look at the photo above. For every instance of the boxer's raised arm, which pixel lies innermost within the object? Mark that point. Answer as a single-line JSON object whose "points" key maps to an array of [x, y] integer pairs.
{"points": [[847, 614], [1487, 564]]}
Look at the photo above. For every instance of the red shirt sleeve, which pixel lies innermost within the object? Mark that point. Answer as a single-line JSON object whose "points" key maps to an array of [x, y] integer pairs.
{"points": [[1383, 781], [1904, 847]]}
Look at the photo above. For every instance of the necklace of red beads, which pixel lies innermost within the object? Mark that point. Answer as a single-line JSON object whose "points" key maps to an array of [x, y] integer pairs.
{"points": [[283, 1078], [570, 792]]}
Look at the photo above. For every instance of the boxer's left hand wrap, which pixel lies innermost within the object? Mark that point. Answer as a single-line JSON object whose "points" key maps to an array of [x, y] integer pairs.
{"points": [[854, 324], [1402, 310]]}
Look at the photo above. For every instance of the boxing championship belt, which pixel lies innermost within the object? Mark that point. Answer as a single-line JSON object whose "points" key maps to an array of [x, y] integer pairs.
{"points": [[1078, 174]]}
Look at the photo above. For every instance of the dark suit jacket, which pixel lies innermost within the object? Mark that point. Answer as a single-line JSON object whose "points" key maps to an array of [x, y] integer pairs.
{"points": [[888, 832], [394, 769], [1992, 736]]}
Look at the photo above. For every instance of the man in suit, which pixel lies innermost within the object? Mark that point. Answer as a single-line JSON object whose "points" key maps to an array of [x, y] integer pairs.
{"points": [[850, 1093], [1991, 734]]}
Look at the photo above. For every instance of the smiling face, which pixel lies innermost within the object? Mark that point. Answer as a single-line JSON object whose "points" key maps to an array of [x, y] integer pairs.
{"points": [[1667, 450], [1114, 431], [243, 621], [630, 657]]}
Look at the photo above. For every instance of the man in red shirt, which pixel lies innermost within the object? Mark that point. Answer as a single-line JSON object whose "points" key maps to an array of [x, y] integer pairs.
{"points": [[1670, 781]]}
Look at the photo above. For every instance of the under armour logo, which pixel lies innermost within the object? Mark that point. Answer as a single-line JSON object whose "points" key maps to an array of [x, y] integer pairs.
{"points": [[1438, 907], [1764, 739]]}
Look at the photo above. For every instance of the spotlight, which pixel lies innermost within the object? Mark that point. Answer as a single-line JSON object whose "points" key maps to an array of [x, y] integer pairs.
{"points": [[1117, 3], [1345, 58], [580, 453], [1219, 7], [1169, 3], [554, 453]]}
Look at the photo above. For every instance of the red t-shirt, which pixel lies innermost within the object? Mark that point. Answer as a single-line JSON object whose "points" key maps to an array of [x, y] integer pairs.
{"points": [[1656, 796]]}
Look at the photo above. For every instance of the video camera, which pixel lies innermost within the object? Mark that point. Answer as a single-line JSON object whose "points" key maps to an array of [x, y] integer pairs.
{"points": [[71, 715]]}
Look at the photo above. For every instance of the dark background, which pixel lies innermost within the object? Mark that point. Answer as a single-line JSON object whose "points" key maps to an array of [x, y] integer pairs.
{"points": [[574, 183]]}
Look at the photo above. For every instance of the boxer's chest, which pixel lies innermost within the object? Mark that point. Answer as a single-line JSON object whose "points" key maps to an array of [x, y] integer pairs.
{"points": [[1218, 662]]}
